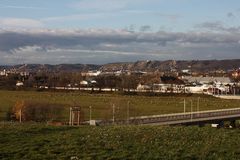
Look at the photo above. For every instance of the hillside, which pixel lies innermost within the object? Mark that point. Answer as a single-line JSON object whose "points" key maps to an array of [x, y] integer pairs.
{"points": [[194, 65], [34, 141], [52, 68]]}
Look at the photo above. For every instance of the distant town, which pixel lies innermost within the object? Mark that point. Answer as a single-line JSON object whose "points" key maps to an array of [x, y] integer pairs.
{"points": [[171, 79]]}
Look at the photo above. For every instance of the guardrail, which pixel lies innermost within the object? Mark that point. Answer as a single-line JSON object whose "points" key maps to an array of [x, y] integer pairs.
{"points": [[189, 116], [181, 117]]}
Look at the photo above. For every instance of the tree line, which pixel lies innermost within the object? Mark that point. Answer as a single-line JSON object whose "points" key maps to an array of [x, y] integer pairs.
{"points": [[73, 79]]}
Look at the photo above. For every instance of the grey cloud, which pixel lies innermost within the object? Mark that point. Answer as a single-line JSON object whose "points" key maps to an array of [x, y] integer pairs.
{"points": [[218, 26], [145, 28], [102, 46], [230, 15], [10, 41]]}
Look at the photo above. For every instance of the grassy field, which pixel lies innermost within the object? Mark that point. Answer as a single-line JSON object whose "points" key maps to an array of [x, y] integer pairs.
{"points": [[102, 103], [39, 142]]}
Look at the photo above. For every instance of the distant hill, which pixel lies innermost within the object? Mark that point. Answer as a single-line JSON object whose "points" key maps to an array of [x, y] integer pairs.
{"points": [[194, 65], [53, 68]]}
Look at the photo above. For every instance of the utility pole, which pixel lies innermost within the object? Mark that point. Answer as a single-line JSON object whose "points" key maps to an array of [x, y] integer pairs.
{"points": [[198, 103], [90, 113], [78, 112], [128, 112], [73, 116], [20, 116], [184, 105], [113, 113], [70, 116], [191, 110]]}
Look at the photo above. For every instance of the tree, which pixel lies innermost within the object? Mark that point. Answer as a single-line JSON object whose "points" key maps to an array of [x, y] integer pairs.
{"points": [[100, 82], [129, 82], [36, 111]]}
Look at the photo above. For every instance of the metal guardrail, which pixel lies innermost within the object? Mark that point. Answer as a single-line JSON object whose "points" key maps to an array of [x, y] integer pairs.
{"points": [[186, 117], [187, 113], [189, 116]]}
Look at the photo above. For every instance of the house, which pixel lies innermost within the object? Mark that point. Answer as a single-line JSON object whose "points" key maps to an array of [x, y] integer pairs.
{"points": [[236, 73], [142, 87], [186, 71], [92, 73], [88, 82], [208, 80], [3, 73], [84, 83], [19, 84], [93, 82], [197, 89]]}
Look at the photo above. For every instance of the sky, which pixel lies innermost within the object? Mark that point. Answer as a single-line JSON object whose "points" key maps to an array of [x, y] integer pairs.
{"points": [[106, 31]]}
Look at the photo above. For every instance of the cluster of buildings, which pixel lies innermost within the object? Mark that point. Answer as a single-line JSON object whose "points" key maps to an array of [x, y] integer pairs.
{"points": [[184, 83], [200, 84], [23, 74], [6, 73], [115, 73], [189, 84]]}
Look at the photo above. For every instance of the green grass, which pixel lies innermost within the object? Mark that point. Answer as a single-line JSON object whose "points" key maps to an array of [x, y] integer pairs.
{"points": [[102, 103], [34, 141]]}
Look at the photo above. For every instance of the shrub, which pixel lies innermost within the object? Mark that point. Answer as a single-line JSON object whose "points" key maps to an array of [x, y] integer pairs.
{"points": [[37, 111]]}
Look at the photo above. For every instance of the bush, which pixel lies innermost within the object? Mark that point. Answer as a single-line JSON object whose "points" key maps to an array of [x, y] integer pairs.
{"points": [[37, 111]]}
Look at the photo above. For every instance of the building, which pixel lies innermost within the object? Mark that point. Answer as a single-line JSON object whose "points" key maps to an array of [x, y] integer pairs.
{"points": [[19, 84], [208, 80], [91, 73], [84, 83], [3, 73], [142, 87], [236, 73], [186, 71]]}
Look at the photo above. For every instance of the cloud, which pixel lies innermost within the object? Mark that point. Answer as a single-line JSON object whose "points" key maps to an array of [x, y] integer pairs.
{"points": [[75, 17], [145, 28], [21, 7], [108, 45], [152, 12], [230, 15], [107, 15], [112, 5], [20, 23], [106, 5], [217, 26]]}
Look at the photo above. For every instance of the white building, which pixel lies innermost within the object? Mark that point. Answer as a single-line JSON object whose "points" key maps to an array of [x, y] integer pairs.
{"points": [[141, 87], [84, 83], [185, 71], [92, 73], [197, 89], [3, 73], [207, 80], [19, 84]]}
